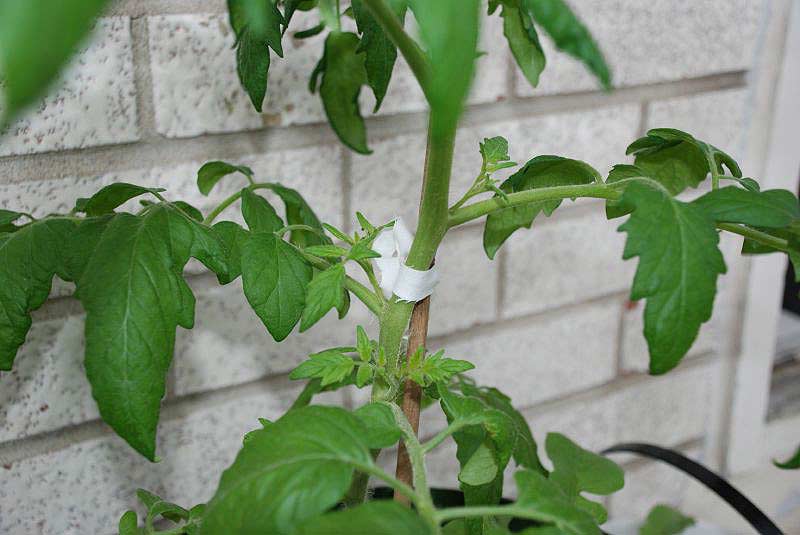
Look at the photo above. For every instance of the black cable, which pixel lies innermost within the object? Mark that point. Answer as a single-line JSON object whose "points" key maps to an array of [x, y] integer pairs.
{"points": [[760, 522]]}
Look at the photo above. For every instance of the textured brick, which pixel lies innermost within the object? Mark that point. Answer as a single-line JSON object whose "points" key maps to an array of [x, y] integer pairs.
{"points": [[719, 118], [93, 104], [47, 388], [643, 44], [467, 293], [195, 87], [564, 261], [542, 358], [230, 345], [38, 498]]}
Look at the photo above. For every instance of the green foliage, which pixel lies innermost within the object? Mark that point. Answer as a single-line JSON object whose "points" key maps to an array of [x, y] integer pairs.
{"points": [[381, 429], [523, 40], [211, 173], [325, 291], [792, 463], [375, 518], [298, 212], [111, 197], [549, 503], [771, 209], [331, 366], [539, 172], [664, 520], [435, 368], [37, 38], [679, 262], [258, 213]]}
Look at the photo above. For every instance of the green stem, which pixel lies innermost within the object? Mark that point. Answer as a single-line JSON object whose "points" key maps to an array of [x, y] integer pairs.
{"points": [[411, 51], [449, 430], [443, 515], [364, 294], [756, 235]]}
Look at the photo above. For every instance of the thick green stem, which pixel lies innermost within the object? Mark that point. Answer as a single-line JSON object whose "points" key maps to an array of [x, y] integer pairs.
{"points": [[443, 515]]}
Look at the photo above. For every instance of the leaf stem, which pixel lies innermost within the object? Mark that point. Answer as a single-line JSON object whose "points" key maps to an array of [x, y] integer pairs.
{"points": [[756, 235], [442, 435], [443, 515]]}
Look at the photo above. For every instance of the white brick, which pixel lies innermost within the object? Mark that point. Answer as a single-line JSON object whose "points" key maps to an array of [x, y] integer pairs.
{"points": [[93, 104], [643, 44], [196, 89], [47, 388], [230, 345], [564, 261], [719, 118], [467, 293], [546, 357], [39, 494]]}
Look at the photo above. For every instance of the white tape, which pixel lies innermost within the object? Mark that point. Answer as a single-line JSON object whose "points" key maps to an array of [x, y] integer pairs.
{"points": [[397, 278]]}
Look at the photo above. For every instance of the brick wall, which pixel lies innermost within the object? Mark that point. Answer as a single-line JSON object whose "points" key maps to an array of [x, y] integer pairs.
{"points": [[155, 95]]}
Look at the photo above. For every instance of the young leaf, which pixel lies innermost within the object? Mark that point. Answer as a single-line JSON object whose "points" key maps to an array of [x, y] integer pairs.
{"points": [[540, 172], [663, 520], [793, 463], [449, 29], [326, 251], [129, 524], [382, 430], [275, 277], [363, 344], [252, 66], [381, 53], [362, 251], [211, 173], [546, 499], [494, 151], [259, 213], [135, 297], [343, 74], [325, 291], [286, 474], [28, 260], [523, 41], [679, 262], [331, 366], [364, 375], [772, 209], [260, 18], [373, 518], [569, 35], [298, 212], [593, 473], [436, 369], [37, 38], [110, 197]]}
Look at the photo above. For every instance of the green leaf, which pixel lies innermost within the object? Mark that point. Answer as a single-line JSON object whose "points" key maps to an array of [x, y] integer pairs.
{"points": [[258, 213], [569, 35], [156, 507], [382, 430], [252, 66], [523, 42], [772, 209], [298, 212], [540, 172], [494, 152], [362, 250], [449, 30], [436, 369], [129, 524], [260, 18], [233, 237], [211, 173], [189, 210], [481, 467], [594, 473], [546, 499], [110, 197], [7, 217], [379, 49], [325, 291], [373, 518], [326, 251], [364, 375], [37, 37], [363, 344], [663, 520], [28, 260], [679, 262], [793, 463], [343, 74], [621, 172], [331, 366], [134, 296], [275, 277], [286, 474]]}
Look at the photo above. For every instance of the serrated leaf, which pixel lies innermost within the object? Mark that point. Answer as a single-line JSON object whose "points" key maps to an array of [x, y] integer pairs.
{"points": [[546, 499], [275, 277], [298, 212], [343, 74], [494, 150], [621, 172], [325, 291], [285, 474], [569, 35], [134, 296], [29, 258], [373, 518], [252, 66], [664, 520], [7, 217], [363, 375], [540, 172], [382, 430], [362, 250], [771, 209], [523, 40], [326, 251], [593, 473], [260, 18], [792, 463], [330, 364], [212, 172], [37, 37], [679, 262], [436, 368], [449, 30], [363, 344], [110, 197], [380, 52], [258, 213]]}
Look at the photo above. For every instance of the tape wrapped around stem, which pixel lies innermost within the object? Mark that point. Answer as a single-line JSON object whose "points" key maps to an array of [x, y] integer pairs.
{"points": [[408, 284]]}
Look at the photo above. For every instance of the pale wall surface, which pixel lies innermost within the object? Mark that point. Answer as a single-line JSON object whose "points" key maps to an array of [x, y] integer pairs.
{"points": [[155, 95]]}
